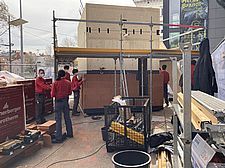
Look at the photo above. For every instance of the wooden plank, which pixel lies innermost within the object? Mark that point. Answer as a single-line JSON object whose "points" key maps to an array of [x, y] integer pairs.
{"points": [[212, 118], [49, 126], [6, 160], [162, 159], [159, 160]]}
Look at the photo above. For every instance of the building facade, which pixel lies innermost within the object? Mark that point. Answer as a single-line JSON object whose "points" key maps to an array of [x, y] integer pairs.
{"points": [[216, 29], [97, 35], [149, 3], [153, 4]]}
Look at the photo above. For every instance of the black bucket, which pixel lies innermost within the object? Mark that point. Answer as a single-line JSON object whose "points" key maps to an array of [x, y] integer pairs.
{"points": [[104, 133], [131, 159]]}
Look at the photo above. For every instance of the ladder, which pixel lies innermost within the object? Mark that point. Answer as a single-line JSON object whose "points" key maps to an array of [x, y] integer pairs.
{"points": [[123, 78]]}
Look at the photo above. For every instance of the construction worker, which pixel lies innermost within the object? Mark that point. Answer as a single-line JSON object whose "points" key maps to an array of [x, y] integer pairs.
{"points": [[166, 78], [193, 63], [76, 83], [40, 89], [66, 69], [61, 89]]}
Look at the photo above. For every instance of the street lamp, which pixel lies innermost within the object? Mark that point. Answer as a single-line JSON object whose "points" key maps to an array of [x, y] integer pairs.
{"points": [[17, 22]]}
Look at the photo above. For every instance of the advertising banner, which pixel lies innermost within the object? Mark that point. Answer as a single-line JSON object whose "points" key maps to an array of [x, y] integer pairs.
{"points": [[29, 92], [194, 12], [218, 60], [12, 119]]}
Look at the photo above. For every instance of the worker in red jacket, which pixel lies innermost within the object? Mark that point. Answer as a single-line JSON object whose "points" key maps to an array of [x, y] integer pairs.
{"points": [[193, 63], [61, 89], [66, 69], [166, 79], [76, 83], [40, 89]]}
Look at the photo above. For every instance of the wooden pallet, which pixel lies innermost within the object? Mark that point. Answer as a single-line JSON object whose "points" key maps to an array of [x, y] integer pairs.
{"points": [[6, 160]]}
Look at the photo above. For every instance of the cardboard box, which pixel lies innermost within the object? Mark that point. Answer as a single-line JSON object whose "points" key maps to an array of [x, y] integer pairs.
{"points": [[31, 127], [49, 126]]}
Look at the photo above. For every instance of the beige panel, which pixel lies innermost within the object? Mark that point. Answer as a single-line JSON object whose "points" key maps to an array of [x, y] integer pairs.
{"points": [[82, 64], [112, 39], [109, 64]]}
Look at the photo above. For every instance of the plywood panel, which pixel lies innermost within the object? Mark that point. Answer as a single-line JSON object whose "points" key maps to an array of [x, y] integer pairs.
{"points": [[98, 89]]}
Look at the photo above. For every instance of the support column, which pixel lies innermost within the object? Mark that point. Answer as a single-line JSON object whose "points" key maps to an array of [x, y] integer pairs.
{"points": [[186, 49]]}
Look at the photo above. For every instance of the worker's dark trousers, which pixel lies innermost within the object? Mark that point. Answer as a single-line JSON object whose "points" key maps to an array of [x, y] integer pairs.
{"points": [[76, 94], [62, 106], [40, 108], [165, 93]]}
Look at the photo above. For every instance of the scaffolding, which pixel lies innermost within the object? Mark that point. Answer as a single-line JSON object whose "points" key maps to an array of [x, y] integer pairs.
{"points": [[69, 54]]}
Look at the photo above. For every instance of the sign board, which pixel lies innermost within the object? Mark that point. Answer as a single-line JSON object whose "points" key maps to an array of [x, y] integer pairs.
{"points": [[202, 153], [218, 60], [194, 12], [12, 120]]}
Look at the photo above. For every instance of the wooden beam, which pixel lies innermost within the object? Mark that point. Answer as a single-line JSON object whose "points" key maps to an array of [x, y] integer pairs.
{"points": [[206, 112], [117, 51], [198, 117]]}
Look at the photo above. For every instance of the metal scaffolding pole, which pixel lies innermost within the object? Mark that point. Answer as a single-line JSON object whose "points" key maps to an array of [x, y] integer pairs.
{"points": [[54, 44], [174, 76], [175, 122], [187, 135], [128, 22], [150, 78], [115, 81], [121, 59], [142, 77]]}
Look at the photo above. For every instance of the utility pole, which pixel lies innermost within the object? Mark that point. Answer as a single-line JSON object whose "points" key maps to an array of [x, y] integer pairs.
{"points": [[21, 39], [10, 45]]}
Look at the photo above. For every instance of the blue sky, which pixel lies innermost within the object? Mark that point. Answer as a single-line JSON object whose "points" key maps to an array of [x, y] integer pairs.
{"points": [[38, 13]]}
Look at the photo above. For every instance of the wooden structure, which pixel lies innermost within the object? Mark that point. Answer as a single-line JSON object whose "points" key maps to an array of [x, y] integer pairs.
{"points": [[98, 90]]}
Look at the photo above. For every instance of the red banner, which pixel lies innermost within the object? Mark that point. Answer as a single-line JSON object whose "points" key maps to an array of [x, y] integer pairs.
{"points": [[29, 92], [12, 120]]}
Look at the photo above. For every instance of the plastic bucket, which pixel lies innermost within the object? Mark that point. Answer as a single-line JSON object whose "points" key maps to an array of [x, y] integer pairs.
{"points": [[104, 133], [131, 159]]}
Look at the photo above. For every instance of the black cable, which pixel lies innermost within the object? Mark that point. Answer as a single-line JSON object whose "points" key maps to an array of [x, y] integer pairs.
{"points": [[63, 143], [4, 32], [79, 158], [85, 122], [50, 154], [89, 122]]}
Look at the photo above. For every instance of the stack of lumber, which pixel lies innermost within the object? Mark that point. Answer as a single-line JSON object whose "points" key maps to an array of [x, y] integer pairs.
{"points": [[200, 114]]}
